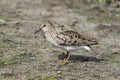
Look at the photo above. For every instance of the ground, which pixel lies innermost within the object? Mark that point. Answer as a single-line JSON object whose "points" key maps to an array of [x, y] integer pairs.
{"points": [[25, 56]]}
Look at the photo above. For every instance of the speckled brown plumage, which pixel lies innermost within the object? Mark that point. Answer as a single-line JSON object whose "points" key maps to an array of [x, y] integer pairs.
{"points": [[73, 38]]}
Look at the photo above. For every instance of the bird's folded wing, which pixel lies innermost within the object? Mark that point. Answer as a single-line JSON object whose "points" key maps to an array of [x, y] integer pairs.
{"points": [[68, 38], [73, 38]]}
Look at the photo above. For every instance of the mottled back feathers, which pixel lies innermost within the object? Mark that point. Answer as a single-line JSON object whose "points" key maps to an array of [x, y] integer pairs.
{"points": [[73, 38]]}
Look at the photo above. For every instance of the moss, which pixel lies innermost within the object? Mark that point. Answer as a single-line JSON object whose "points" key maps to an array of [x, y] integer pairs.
{"points": [[6, 48], [7, 76], [115, 59], [4, 17], [1, 77], [101, 19], [47, 77], [18, 56], [42, 76]]}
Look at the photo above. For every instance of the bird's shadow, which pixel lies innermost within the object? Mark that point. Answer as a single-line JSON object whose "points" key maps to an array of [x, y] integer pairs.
{"points": [[80, 58]]}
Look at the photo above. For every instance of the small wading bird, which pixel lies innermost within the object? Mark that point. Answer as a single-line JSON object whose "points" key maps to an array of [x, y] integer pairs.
{"points": [[68, 40]]}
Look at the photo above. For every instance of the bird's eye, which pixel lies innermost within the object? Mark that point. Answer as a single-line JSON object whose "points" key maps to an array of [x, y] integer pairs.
{"points": [[43, 26]]}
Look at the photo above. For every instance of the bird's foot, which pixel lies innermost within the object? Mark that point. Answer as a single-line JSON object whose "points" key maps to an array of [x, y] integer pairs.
{"points": [[63, 62]]}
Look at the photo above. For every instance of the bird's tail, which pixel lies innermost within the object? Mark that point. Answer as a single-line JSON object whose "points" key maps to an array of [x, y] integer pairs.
{"points": [[90, 42], [93, 42]]}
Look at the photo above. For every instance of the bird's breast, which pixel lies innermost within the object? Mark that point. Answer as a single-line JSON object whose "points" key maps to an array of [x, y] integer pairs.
{"points": [[50, 38]]}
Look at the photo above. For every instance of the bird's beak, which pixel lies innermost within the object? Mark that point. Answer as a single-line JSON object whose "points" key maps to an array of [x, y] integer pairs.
{"points": [[37, 31]]}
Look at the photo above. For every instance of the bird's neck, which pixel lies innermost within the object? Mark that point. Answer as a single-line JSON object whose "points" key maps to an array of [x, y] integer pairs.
{"points": [[51, 35]]}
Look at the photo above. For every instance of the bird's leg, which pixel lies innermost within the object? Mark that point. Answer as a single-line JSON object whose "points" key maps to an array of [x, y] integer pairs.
{"points": [[68, 55], [63, 62], [63, 53]]}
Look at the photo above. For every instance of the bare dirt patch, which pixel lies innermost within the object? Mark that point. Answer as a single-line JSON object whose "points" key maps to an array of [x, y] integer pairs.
{"points": [[26, 57]]}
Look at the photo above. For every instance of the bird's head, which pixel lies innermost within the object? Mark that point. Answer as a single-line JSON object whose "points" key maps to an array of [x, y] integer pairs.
{"points": [[45, 27]]}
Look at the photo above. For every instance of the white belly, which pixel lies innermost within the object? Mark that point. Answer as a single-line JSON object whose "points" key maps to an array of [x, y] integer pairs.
{"points": [[69, 48]]}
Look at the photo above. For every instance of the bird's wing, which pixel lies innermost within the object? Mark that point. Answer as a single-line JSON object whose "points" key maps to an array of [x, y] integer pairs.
{"points": [[73, 38]]}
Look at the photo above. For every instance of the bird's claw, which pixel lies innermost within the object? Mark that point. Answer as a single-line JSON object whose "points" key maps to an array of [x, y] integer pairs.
{"points": [[63, 62]]}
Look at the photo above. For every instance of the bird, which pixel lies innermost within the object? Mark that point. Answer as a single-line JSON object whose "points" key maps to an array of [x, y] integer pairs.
{"points": [[68, 40]]}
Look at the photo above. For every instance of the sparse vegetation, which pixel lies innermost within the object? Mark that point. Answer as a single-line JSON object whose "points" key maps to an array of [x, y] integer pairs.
{"points": [[25, 56]]}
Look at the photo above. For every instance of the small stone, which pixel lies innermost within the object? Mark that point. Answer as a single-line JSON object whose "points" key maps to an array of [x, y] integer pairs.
{"points": [[2, 21]]}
